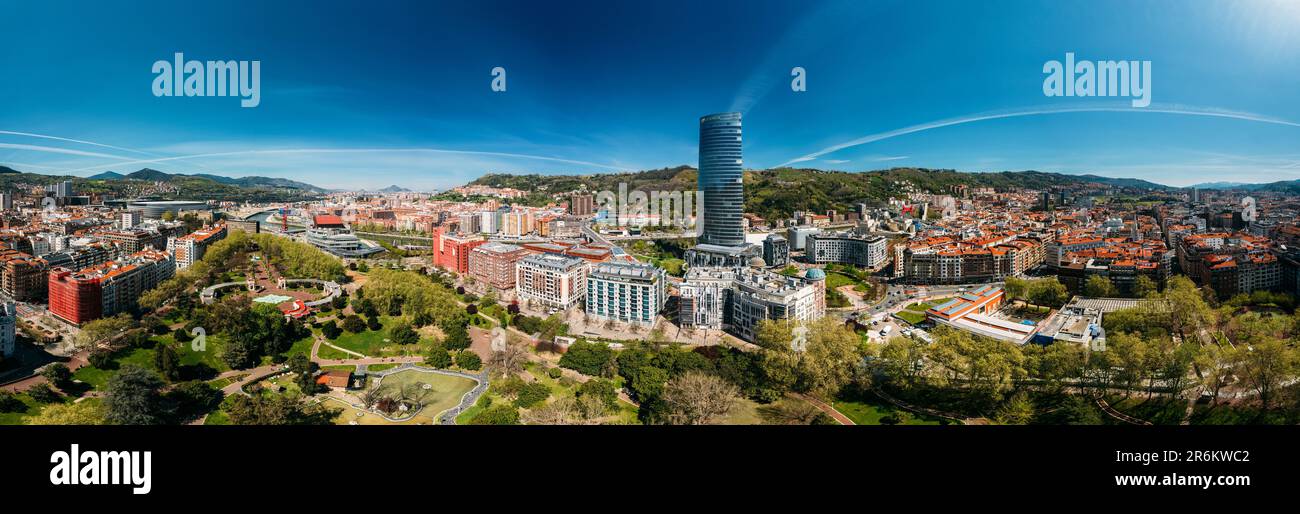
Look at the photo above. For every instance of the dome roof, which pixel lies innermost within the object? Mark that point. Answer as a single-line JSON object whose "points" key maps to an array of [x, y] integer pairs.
{"points": [[757, 262], [815, 274]]}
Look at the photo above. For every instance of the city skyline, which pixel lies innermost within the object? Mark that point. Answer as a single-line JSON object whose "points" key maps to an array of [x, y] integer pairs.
{"points": [[393, 104]]}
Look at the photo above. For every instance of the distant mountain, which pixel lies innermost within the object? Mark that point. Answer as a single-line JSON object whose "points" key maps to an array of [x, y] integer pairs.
{"points": [[777, 193], [394, 189], [153, 175], [1222, 185], [6, 169], [107, 175]]}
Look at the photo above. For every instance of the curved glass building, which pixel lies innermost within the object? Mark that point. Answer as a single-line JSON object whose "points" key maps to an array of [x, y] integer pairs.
{"points": [[720, 178]]}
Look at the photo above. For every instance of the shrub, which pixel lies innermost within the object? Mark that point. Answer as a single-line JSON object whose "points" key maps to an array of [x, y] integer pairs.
{"points": [[354, 324], [532, 394], [438, 357], [466, 359], [555, 372]]}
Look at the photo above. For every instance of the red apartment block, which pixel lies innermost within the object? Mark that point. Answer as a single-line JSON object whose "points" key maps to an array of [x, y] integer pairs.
{"points": [[451, 252]]}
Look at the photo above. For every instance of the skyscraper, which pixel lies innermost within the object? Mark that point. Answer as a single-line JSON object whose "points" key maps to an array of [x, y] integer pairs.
{"points": [[720, 178]]}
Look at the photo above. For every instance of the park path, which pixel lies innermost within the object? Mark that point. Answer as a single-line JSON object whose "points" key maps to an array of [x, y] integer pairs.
{"points": [[824, 407], [74, 363]]}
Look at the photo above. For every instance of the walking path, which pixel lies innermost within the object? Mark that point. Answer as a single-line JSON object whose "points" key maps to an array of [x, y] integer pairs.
{"points": [[1101, 402], [839, 416]]}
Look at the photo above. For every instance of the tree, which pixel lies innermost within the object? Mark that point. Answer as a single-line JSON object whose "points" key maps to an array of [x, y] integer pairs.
{"points": [[508, 361], [466, 359], [438, 357], [1266, 366], [589, 358], [58, 375], [193, 399], [354, 324], [102, 328], [42, 393], [531, 394], [1047, 292], [1017, 410], [602, 394], [828, 362], [562, 411], [9, 402], [1098, 286], [497, 415], [275, 409], [331, 330], [133, 397], [167, 362], [1144, 287], [899, 359], [79, 413], [697, 398], [1015, 287], [457, 337], [402, 333], [1215, 363], [794, 412]]}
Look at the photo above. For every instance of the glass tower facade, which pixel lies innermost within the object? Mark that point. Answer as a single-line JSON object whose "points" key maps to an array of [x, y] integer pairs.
{"points": [[720, 179]]}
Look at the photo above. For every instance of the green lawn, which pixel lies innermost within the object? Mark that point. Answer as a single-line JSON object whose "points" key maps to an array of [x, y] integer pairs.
{"points": [[328, 352], [20, 417], [921, 306], [214, 346], [97, 378], [368, 342], [447, 390], [869, 410], [743, 412], [912, 317]]}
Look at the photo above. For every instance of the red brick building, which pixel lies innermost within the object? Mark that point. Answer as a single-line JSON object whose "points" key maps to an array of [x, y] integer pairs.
{"points": [[494, 264], [451, 252]]}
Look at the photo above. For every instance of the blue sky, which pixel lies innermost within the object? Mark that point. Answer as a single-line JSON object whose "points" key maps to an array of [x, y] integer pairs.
{"points": [[366, 94]]}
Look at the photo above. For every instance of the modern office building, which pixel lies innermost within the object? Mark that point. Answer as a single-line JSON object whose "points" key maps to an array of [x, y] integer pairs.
{"points": [[494, 263], [776, 250], [6, 201], [844, 248], [555, 281], [705, 301], [626, 291], [721, 179], [331, 234], [798, 236]]}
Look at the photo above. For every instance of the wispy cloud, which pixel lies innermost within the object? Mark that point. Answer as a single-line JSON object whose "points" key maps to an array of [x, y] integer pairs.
{"points": [[1038, 111]]}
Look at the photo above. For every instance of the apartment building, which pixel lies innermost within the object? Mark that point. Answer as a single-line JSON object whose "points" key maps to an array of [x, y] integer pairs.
{"points": [[555, 281], [494, 264], [629, 292]]}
